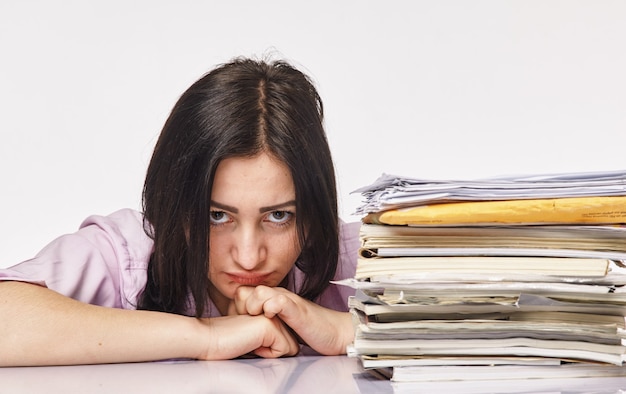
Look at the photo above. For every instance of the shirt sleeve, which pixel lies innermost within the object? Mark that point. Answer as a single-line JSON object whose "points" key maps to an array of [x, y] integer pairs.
{"points": [[336, 296], [103, 263]]}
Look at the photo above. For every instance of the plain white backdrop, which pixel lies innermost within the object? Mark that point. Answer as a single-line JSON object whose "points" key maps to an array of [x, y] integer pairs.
{"points": [[432, 89]]}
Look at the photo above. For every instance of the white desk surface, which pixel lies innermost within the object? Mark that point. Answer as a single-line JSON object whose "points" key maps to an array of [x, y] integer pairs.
{"points": [[303, 374]]}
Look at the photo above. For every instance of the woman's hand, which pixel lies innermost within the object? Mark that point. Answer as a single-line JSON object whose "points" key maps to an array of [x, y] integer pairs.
{"points": [[234, 336], [326, 331]]}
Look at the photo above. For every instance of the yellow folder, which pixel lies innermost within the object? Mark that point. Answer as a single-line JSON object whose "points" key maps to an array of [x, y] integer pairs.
{"points": [[576, 210]]}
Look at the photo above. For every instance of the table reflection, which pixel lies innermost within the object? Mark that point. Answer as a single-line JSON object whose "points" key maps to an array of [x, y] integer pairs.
{"points": [[303, 374]]}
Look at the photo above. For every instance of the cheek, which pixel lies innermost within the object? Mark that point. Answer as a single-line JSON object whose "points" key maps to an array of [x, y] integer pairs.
{"points": [[286, 250], [217, 252]]}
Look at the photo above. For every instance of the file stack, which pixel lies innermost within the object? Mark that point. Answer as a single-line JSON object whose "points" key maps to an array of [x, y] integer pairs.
{"points": [[502, 273]]}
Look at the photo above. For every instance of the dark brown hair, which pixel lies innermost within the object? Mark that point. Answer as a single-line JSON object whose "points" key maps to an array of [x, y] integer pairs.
{"points": [[240, 109]]}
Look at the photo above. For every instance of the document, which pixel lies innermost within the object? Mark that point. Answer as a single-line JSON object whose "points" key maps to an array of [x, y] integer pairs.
{"points": [[391, 191]]}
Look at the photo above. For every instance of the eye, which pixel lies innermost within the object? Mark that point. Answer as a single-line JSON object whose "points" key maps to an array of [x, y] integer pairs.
{"points": [[218, 217], [279, 217]]}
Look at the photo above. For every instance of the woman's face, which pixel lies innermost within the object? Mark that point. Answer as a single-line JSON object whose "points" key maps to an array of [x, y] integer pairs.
{"points": [[253, 235]]}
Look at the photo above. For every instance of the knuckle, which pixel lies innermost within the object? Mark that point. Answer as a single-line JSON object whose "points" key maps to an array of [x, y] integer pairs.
{"points": [[283, 299], [262, 290]]}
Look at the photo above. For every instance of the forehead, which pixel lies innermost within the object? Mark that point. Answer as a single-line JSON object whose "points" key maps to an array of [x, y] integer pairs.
{"points": [[260, 180]]}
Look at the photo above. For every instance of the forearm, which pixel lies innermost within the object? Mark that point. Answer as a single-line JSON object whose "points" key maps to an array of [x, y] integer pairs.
{"points": [[41, 327]]}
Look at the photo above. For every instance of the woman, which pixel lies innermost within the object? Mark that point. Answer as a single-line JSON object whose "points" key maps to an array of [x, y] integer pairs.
{"points": [[233, 254]]}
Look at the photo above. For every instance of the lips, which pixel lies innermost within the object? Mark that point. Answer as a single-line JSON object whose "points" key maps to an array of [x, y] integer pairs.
{"points": [[248, 279]]}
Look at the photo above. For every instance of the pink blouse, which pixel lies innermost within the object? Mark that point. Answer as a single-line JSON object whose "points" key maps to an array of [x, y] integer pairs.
{"points": [[105, 263]]}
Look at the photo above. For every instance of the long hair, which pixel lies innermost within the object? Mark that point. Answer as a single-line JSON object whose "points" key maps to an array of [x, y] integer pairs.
{"points": [[239, 109]]}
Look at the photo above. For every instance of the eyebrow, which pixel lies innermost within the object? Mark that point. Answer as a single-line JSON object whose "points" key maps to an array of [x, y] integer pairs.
{"points": [[276, 207]]}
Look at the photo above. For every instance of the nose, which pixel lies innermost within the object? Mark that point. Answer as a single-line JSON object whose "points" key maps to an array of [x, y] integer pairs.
{"points": [[249, 249]]}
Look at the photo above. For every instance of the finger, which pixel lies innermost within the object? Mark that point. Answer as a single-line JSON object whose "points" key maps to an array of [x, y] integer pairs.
{"points": [[280, 343], [242, 294], [255, 302], [281, 305]]}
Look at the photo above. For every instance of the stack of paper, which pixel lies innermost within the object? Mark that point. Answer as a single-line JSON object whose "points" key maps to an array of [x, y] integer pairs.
{"points": [[390, 191], [525, 271]]}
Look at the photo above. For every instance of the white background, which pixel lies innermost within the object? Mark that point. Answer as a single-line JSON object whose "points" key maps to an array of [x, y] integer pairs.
{"points": [[432, 89]]}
